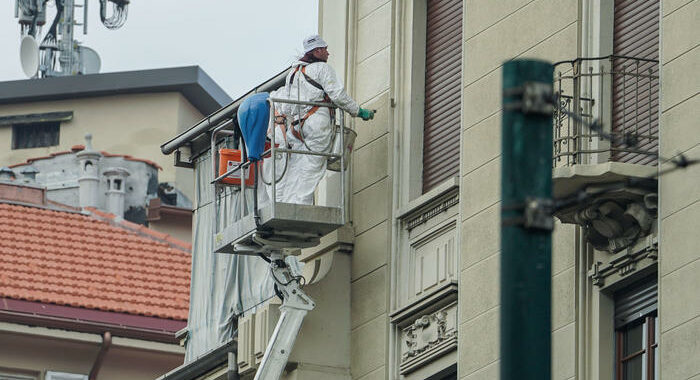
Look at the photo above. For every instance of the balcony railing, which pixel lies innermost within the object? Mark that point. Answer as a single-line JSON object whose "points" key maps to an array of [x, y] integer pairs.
{"points": [[622, 93]]}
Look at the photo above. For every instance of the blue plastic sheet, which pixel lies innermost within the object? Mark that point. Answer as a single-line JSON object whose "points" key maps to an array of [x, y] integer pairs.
{"points": [[253, 118]]}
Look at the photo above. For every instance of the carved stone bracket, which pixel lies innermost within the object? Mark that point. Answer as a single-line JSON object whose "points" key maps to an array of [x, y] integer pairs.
{"points": [[616, 220]]}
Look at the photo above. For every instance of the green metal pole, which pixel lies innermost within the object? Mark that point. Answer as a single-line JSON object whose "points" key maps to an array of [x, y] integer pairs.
{"points": [[526, 250]]}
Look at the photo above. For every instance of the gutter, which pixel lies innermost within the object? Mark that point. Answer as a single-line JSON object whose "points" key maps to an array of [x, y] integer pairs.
{"points": [[221, 115], [210, 360], [104, 347]]}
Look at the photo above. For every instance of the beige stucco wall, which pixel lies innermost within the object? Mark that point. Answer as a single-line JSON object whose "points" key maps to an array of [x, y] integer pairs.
{"points": [[134, 124], [368, 60], [177, 228], [495, 32], [582, 313], [679, 257], [36, 350]]}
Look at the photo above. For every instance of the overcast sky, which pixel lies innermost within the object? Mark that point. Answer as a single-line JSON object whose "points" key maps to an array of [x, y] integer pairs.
{"points": [[238, 43]]}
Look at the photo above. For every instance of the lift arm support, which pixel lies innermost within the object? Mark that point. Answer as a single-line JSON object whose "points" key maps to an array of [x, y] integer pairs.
{"points": [[294, 307]]}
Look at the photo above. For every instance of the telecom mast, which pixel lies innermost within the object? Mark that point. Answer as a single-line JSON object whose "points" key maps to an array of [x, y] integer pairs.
{"points": [[58, 53]]}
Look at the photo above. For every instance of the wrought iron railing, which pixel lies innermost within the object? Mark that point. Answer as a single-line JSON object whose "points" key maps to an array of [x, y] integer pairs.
{"points": [[622, 95]]}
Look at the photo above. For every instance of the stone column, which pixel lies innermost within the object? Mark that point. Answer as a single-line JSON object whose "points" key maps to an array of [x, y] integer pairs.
{"points": [[116, 181], [89, 180]]}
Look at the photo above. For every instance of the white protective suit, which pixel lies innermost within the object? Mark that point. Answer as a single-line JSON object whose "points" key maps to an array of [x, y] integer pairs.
{"points": [[304, 172]]}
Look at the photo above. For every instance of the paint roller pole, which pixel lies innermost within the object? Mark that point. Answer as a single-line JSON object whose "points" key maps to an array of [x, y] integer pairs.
{"points": [[526, 246]]}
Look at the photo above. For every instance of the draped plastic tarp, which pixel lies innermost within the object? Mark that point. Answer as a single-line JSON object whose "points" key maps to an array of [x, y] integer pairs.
{"points": [[223, 286]]}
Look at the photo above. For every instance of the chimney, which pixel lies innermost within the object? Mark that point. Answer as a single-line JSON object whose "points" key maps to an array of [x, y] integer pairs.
{"points": [[29, 174], [116, 181], [89, 181], [6, 174]]}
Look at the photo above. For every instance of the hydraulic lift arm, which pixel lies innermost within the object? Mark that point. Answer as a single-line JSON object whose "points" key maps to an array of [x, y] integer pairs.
{"points": [[295, 305]]}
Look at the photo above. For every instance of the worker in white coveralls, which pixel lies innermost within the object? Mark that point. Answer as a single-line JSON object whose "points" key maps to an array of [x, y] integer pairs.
{"points": [[311, 79]]}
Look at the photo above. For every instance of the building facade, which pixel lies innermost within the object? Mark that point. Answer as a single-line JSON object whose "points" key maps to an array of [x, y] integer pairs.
{"points": [[615, 284], [126, 113], [416, 272]]}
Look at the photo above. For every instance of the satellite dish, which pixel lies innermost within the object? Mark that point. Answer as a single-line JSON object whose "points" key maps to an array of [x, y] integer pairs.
{"points": [[29, 56], [90, 62]]}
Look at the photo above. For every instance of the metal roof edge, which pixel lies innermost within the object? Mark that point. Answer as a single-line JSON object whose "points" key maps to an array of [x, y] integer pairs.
{"points": [[192, 81], [221, 114]]}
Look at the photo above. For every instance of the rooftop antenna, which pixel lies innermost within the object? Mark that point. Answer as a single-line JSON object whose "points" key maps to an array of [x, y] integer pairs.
{"points": [[59, 54]]}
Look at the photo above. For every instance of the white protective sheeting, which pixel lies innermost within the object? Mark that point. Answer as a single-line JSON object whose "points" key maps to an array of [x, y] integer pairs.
{"points": [[304, 172], [222, 286]]}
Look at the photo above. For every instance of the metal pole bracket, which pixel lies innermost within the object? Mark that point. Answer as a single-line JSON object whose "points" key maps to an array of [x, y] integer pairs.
{"points": [[535, 97], [536, 214]]}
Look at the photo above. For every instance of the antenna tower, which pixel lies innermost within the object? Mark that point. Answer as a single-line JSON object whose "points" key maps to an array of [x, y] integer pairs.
{"points": [[59, 54]]}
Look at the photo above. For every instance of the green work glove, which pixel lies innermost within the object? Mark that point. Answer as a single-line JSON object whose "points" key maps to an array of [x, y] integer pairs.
{"points": [[365, 114]]}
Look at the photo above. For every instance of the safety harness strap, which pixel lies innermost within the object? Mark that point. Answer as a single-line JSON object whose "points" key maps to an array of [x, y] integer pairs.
{"points": [[296, 132]]}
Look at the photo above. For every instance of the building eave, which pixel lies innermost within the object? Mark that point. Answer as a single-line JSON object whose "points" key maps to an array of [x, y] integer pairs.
{"points": [[191, 81], [89, 321]]}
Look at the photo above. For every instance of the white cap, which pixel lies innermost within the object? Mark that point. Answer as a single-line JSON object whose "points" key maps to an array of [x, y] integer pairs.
{"points": [[312, 42]]}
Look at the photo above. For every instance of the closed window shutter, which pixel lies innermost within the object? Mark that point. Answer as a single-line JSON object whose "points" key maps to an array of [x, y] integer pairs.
{"points": [[635, 94], [443, 63], [635, 302]]}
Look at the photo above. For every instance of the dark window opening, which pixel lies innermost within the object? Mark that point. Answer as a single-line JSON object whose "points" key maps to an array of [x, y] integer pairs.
{"points": [[637, 349], [449, 373], [636, 332], [35, 135]]}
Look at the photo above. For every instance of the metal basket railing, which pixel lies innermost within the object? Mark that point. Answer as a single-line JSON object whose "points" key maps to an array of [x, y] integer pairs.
{"points": [[273, 152], [622, 93]]}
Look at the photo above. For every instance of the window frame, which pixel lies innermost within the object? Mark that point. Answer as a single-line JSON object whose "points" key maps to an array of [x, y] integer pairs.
{"points": [[649, 349]]}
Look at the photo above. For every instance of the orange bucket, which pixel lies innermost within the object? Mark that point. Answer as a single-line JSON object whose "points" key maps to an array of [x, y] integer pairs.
{"points": [[229, 159]]}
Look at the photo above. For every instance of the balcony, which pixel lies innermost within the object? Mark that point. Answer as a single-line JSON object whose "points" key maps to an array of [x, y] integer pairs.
{"points": [[621, 95], [620, 92]]}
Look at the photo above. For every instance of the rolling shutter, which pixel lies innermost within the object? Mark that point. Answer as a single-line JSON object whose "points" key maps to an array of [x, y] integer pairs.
{"points": [[635, 302], [443, 64], [635, 82]]}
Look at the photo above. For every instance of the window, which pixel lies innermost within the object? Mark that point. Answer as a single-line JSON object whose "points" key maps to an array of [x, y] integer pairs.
{"points": [[636, 332], [443, 90], [449, 373], [51, 375], [637, 345], [7, 374], [35, 135], [635, 98]]}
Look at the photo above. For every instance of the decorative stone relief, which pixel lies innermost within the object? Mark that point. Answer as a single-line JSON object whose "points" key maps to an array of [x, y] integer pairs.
{"points": [[434, 211], [623, 263], [429, 337], [424, 315]]}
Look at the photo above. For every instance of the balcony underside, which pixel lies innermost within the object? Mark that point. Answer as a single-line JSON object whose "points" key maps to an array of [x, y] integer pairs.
{"points": [[568, 180], [287, 226]]}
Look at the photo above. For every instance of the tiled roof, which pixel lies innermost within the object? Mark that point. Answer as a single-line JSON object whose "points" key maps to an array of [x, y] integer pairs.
{"points": [[73, 259], [78, 148]]}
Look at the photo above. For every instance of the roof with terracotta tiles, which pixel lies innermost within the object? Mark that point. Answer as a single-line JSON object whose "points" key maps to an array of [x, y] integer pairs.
{"points": [[90, 261], [78, 148]]}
